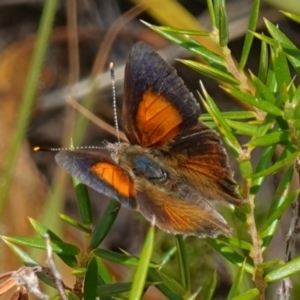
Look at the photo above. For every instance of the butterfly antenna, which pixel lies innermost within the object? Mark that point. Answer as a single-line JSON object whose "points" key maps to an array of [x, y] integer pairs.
{"points": [[113, 86], [37, 149]]}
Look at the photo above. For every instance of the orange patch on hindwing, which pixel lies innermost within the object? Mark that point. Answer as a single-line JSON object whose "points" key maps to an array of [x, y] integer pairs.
{"points": [[115, 177], [157, 119]]}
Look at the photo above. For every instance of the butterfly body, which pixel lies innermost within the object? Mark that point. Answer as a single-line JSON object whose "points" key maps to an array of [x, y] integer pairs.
{"points": [[174, 169], [147, 170]]}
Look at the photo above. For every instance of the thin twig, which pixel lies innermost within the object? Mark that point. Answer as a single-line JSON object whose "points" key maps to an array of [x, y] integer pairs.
{"points": [[256, 252], [73, 43], [110, 37], [57, 277], [292, 235], [102, 124]]}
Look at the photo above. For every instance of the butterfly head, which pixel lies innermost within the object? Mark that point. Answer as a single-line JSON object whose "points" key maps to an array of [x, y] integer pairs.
{"points": [[116, 150]]}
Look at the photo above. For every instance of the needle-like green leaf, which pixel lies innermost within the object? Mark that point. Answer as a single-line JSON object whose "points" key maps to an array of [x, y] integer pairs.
{"points": [[143, 266]]}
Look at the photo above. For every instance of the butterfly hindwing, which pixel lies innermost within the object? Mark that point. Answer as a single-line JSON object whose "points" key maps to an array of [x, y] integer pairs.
{"points": [[199, 157], [157, 105], [176, 216], [99, 173]]}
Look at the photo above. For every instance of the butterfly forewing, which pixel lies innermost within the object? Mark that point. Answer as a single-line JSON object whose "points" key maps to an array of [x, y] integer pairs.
{"points": [[99, 173], [156, 99]]}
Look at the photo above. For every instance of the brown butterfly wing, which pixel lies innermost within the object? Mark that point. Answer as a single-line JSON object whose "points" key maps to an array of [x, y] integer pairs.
{"points": [[198, 156], [175, 216], [156, 106]]}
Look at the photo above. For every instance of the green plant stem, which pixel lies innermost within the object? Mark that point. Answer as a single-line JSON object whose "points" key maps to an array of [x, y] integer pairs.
{"points": [[29, 95], [256, 252]]}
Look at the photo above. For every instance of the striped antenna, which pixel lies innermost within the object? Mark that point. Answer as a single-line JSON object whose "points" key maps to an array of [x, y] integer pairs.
{"points": [[113, 87], [36, 149]]}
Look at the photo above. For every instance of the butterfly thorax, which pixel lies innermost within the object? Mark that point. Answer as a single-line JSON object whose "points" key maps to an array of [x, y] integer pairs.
{"points": [[142, 163]]}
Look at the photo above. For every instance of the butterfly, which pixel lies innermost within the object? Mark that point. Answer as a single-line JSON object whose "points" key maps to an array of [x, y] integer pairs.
{"points": [[174, 168]]}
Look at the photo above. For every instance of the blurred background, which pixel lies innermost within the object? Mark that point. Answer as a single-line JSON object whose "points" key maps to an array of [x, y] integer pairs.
{"points": [[87, 35]]}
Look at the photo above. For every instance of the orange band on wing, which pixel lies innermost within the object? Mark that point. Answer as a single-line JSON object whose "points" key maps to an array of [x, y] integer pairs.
{"points": [[115, 177], [158, 121]]}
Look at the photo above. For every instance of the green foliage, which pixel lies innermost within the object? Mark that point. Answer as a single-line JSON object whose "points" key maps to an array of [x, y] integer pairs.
{"points": [[272, 121]]}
